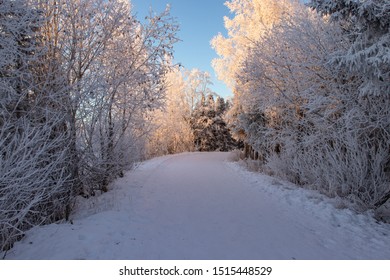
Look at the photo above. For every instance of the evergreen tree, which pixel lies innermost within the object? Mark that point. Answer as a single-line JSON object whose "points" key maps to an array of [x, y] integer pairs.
{"points": [[367, 26], [209, 128]]}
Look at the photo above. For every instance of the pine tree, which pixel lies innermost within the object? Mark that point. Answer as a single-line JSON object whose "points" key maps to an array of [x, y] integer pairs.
{"points": [[367, 26], [209, 128]]}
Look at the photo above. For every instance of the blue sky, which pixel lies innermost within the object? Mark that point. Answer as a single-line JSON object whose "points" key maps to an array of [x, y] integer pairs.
{"points": [[200, 21]]}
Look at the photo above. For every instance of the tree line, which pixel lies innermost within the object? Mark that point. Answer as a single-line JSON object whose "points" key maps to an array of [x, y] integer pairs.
{"points": [[311, 87], [193, 118], [78, 80]]}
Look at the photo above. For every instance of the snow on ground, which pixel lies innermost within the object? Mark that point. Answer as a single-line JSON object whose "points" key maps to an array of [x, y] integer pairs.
{"points": [[200, 206]]}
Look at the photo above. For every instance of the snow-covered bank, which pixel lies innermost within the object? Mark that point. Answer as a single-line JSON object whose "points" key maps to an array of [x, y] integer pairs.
{"points": [[358, 236], [199, 206]]}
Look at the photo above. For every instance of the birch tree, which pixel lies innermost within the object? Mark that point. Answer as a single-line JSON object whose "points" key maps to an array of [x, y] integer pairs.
{"points": [[171, 129], [131, 84], [251, 19]]}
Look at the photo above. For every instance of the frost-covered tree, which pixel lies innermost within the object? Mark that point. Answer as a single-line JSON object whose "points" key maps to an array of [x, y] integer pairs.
{"points": [[130, 83], [301, 105], [77, 34], [172, 132], [197, 86], [188, 121], [114, 67], [209, 128], [367, 26], [251, 19], [34, 162], [285, 88]]}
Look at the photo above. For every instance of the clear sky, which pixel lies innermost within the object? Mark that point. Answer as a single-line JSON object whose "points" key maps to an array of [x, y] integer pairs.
{"points": [[200, 21]]}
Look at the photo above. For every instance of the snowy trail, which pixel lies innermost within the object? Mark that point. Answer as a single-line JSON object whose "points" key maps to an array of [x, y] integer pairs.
{"points": [[198, 206]]}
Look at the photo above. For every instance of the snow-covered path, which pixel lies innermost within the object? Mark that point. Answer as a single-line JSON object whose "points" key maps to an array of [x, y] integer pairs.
{"points": [[198, 206]]}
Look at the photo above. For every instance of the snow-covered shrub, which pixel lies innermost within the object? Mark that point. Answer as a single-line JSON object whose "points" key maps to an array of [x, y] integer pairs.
{"points": [[34, 181], [34, 163], [366, 62]]}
